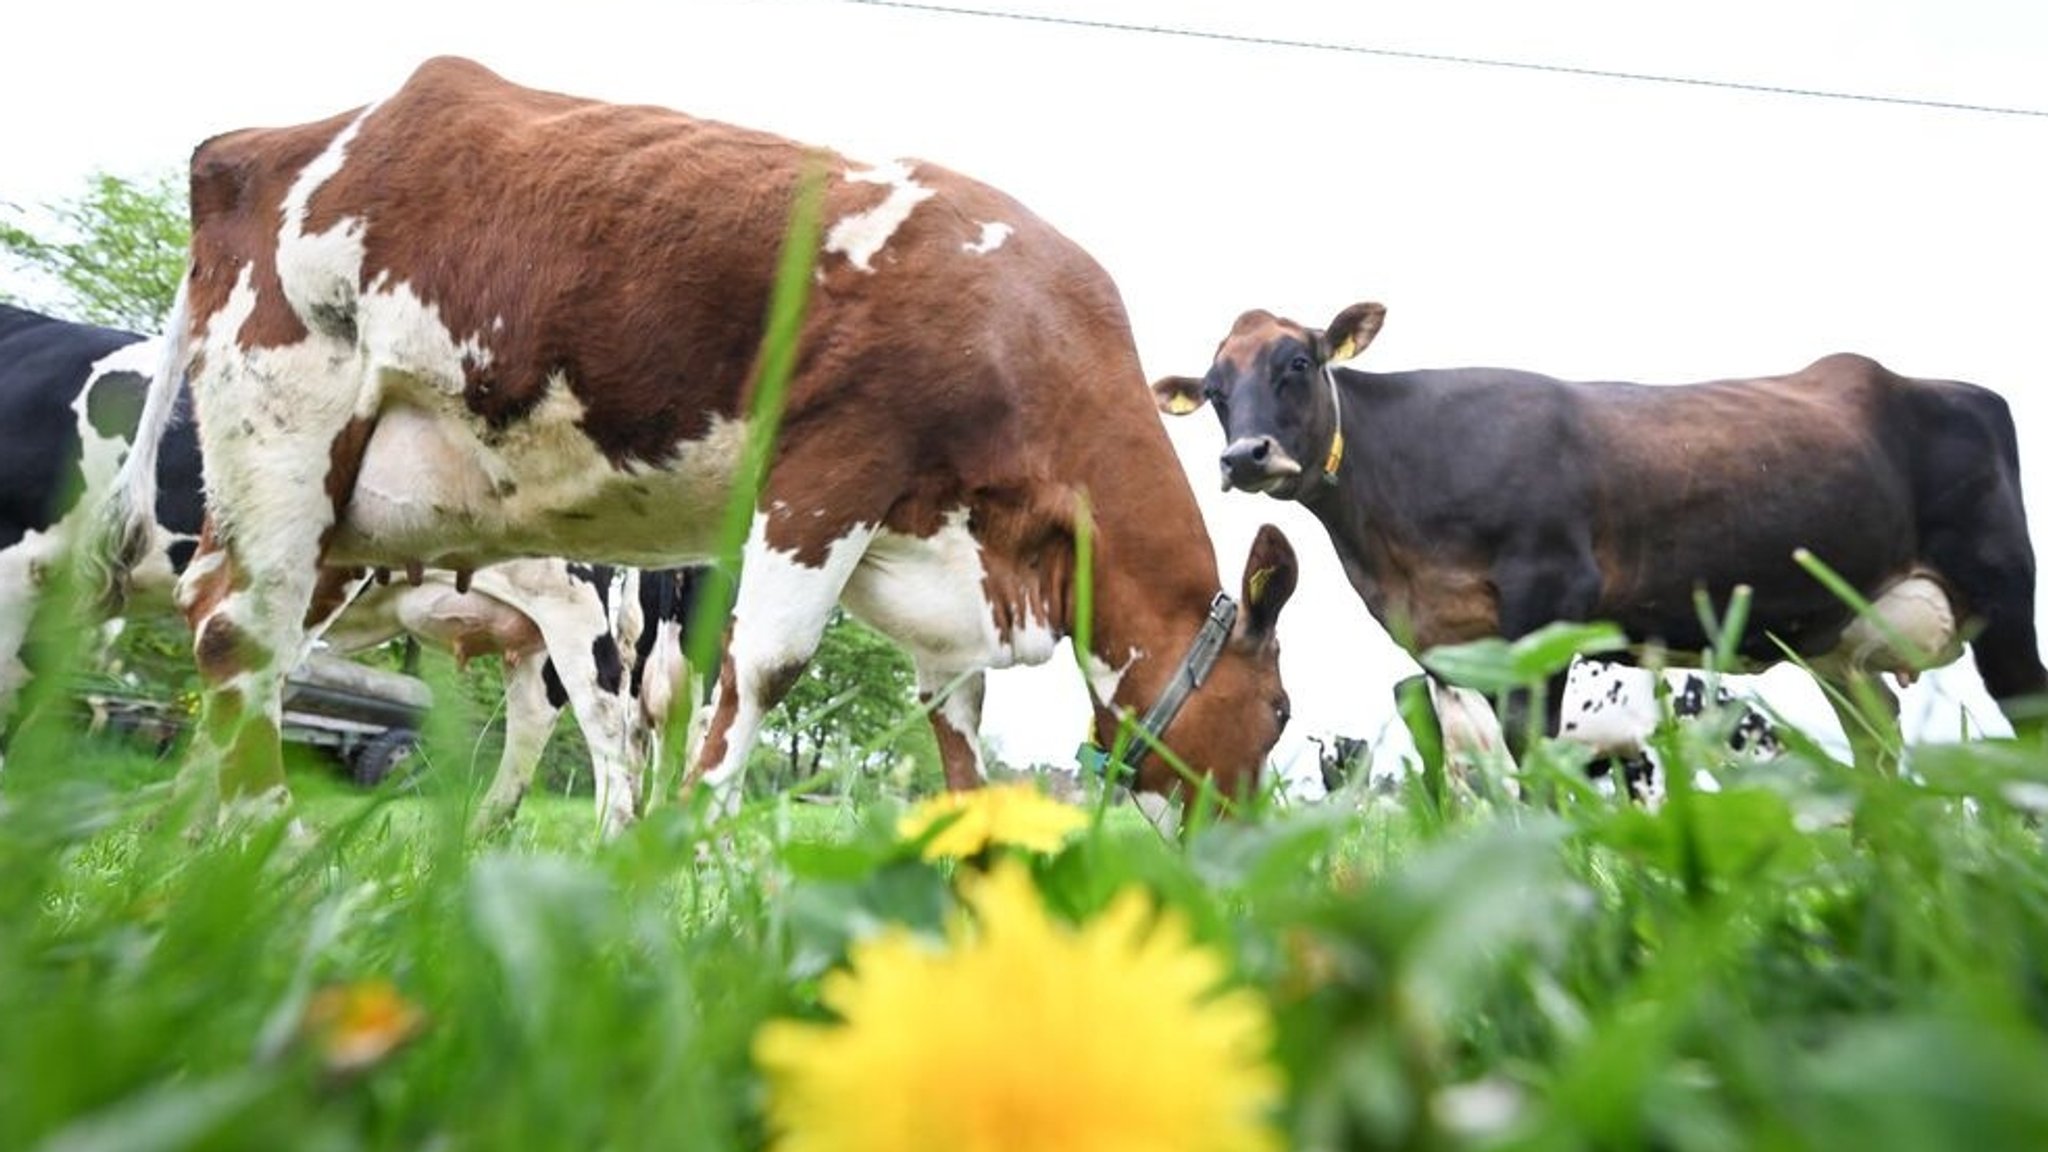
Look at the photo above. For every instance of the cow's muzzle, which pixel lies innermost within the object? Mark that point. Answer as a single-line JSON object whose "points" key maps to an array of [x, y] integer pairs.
{"points": [[1257, 464]]}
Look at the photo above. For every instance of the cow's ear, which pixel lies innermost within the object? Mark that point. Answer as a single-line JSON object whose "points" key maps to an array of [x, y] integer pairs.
{"points": [[1177, 395], [1353, 329], [1269, 577]]}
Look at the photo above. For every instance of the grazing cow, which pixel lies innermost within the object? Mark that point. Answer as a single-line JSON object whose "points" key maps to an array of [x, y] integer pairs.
{"points": [[474, 321], [1611, 710], [70, 396], [1483, 502]]}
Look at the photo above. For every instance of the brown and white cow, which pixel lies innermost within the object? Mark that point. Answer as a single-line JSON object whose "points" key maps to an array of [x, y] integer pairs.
{"points": [[70, 397], [1472, 502], [474, 321]]}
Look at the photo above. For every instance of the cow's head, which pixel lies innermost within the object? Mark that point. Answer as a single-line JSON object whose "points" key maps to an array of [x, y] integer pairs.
{"points": [[1230, 722], [1271, 388]]}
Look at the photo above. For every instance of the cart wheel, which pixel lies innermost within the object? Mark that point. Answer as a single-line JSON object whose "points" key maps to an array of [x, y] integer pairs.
{"points": [[380, 754]]}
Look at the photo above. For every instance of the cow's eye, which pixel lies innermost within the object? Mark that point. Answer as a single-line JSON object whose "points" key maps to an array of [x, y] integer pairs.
{"points": [[1299, 364], [1283, 711]]}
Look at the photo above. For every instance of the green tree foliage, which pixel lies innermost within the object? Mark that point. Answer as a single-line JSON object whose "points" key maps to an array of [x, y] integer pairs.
{"points": [[111, 255], [854, 707]]}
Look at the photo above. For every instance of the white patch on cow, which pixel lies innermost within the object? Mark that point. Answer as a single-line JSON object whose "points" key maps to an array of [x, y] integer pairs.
{"points": [[858, 237], [1919, 611], [992, 236], [930, 595], [778, 616], [664, 680], [1105, 678], [202, 566], [101, 455], [267, 417], [1471, 733], [1033, 642], [927, 595], [1611, 709], [320, 272], [22, 572], [539, 488], [1475, 749], [1159, 811]]}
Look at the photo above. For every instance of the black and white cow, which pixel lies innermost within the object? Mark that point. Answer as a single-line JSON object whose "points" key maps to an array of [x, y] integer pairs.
{"points": [[1610, 710], [70, 396], [1476, 502]]}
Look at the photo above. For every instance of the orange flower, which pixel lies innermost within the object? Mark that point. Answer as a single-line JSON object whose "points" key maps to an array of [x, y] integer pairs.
{"points": [[357, 1024]]}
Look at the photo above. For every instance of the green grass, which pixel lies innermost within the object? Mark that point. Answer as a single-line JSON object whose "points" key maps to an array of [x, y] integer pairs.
{"points": [[1813, 958]]}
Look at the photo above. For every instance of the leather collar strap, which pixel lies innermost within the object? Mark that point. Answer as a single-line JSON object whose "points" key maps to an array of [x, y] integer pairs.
{"points": [[1194, 668]]}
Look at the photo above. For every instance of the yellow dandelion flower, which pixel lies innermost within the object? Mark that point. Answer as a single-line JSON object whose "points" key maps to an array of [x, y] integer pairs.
{"points": [[1025, 1035], [1015, 813], [357, 1024]]}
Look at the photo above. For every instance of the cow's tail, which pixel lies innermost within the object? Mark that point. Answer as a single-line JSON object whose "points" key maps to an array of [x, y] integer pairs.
{"points": [[122, 524]]}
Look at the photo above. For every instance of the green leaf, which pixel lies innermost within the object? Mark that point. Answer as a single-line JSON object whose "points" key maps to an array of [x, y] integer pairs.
{"points": [[1737, 834], [1494, 666]]}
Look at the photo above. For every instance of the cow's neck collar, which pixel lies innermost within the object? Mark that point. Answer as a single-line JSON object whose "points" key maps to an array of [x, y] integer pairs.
{"points": [[1193, 670], [1334, 458]]}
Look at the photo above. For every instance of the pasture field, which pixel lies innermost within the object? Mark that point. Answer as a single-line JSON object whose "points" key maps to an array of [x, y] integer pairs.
{"points": [[1812, 957]]}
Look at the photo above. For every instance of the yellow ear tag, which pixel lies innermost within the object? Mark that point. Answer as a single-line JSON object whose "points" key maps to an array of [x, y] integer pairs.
{"points": [[1181, 404], [1336, 457], [1255, 587], [1344, 351]]}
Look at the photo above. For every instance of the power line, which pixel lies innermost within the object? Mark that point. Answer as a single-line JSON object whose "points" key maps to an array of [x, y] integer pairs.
{"points": [[1452, 58]]}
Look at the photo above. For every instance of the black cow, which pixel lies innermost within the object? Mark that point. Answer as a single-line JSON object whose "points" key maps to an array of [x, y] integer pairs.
{"points": [[1479, 502], [70, 395]]}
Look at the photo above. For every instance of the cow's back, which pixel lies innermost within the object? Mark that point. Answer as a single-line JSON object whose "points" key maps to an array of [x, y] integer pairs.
{"points": [[499, 258], [1719, 484]]}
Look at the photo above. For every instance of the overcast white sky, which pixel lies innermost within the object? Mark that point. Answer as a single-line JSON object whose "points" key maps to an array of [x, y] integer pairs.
{"points": [[1582, 226]]}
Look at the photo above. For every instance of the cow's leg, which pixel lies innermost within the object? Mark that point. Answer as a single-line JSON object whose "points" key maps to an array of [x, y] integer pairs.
{"points": [[1975, 535], [1541, 583], [666, 682], [247, 635], [530, 715], [1992, 568], [282, 432], [953, 702], [1872, 736], [18, 587], [785, 600], [591, 667], [1419, 704], [572, 620]]}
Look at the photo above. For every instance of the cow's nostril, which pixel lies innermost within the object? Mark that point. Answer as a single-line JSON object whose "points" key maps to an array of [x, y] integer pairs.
{"points": [[1260, 451]]}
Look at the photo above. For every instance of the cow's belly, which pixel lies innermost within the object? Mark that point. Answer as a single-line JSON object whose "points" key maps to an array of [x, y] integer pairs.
{"points": [[432, 491], [932, 596], [1424, 603]]}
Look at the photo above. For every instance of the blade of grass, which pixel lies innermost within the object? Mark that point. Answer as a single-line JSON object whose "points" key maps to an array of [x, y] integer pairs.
{"points": [[786, 309]]}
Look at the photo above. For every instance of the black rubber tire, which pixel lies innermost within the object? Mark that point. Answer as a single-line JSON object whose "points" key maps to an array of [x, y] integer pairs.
{"points": [[376, 758]]}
